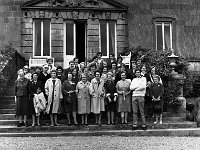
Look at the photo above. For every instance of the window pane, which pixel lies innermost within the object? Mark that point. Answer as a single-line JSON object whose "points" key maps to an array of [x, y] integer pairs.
{"points": [[159, 37], [103, 38], [70, 39], [112, 38], [46, 38], [37, 38], [167, 36]]}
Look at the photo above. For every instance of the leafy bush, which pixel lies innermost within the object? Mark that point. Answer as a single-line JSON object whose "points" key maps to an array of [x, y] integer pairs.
{"points": [[159, 59]]}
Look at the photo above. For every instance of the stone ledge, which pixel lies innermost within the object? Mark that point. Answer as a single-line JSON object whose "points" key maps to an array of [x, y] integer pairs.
{"points": [[126, 133]]}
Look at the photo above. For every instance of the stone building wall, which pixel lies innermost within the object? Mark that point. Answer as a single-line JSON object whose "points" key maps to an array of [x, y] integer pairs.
{"points": [[10, 23]]}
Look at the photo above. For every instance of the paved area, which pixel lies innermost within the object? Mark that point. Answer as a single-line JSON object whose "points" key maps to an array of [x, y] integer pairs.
{"points": [[100, 143]]}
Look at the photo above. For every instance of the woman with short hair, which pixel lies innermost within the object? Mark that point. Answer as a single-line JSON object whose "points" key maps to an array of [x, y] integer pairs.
{"points": [[70, 99], [53, 91], [124, 97], [111, 98], [33, 87], [83, 95], [22, 98], [97, 93]]}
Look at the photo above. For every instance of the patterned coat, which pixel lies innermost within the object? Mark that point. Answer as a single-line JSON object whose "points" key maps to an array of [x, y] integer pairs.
{"points": [[97, 100], [83, 97]]}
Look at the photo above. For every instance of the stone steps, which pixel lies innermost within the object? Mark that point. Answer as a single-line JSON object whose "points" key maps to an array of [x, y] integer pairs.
{"points": [[8, 106], [104, 127], [7, 111]]}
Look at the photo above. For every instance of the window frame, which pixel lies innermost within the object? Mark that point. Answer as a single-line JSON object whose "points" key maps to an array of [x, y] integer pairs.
{"points": [[107, 35], [172, 22], [42, 33]]}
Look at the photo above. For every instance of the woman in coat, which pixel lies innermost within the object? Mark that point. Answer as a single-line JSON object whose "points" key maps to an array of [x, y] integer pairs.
{"points": [[111, 97], [124, 97], [22, 98], [97, 100], [82, 89], [156, 92], [33, 86], [53, 91], [70, 99]]}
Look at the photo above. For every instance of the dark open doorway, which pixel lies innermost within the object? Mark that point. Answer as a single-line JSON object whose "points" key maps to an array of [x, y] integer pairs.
{"points": [[80, 41]]}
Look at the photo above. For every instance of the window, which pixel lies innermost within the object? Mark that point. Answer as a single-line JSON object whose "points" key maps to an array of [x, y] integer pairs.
{"points": [[41, 36], [163, 35], [107, 38]]}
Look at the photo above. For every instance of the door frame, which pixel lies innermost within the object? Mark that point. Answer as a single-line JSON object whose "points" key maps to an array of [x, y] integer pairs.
{"points": [[65, 62]]}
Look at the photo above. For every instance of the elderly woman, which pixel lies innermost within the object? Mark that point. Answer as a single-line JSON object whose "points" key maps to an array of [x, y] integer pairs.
{"points": [[156, 92], [33, 87], [97, 92], [70, 99], [153, 74], [82, 89], [22, 98], [53, 91], [124, 97], [111, 98]]}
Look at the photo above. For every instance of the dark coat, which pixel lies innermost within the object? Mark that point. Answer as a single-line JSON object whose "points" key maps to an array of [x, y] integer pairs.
{"points": [[156, 90], [21, 87], [33, 87], [43, 78], [110, 88], [62, 78]]}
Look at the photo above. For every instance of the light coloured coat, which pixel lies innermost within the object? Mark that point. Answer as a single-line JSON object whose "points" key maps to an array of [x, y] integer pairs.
{"points": [[97, 102], [57, 94]]}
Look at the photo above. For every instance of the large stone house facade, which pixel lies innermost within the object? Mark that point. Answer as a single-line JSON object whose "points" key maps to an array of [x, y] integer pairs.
{"points": [[65, 29]]}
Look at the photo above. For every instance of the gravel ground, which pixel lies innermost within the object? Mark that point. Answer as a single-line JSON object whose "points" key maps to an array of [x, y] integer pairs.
{"points": [[100, 143]]}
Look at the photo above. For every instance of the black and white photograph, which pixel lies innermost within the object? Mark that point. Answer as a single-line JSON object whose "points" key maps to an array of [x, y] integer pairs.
{"points": [[99, 74]]}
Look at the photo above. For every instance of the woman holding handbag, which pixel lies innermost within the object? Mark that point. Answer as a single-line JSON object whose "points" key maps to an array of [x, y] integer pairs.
{"points": [[156, 91], [70, 99]]}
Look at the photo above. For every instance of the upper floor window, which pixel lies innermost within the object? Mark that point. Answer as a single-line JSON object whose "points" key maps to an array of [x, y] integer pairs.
{"points": [[41, 38], [163, 35], [107, 38]]}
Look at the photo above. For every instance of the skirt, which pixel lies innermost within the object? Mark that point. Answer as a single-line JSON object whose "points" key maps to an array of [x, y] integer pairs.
{"points": [[158, 107], [22, 105], [70, 103], [31, 106]]}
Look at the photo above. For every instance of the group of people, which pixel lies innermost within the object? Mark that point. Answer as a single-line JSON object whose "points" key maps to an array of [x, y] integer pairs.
{"points": [[93, 88]]}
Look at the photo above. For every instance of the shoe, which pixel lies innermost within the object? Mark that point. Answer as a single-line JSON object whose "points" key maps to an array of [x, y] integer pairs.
{"points": [[82, 124], [134, 127], [39, 125], [108, 123], [69, 124], [76, 124], [56, 124], [160, 122], [99, 124], [33, 125], [86, 124], [125, 122], [155, 122], [52, 125]]}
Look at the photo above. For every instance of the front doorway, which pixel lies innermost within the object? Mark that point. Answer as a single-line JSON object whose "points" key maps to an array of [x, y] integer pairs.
{"points": [[74, 41]]}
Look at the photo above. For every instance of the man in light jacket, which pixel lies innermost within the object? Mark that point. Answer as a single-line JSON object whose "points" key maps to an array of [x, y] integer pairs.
{"points": [[138, 86]]}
